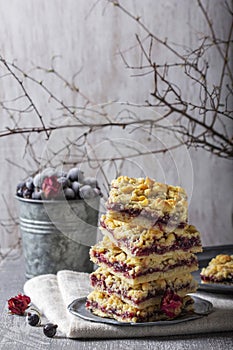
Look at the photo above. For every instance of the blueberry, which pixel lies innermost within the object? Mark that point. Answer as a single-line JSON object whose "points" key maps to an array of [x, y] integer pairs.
{"points": [[19, 192], [27, 193], [69, 193], [29, 184], [91, 181], [21, 185], [75, 174], [50, 330], [33, 319], [75, 187], [20, 188], [61, 173], [64, 181], [37, 181], [37, 194], [87, 192]]}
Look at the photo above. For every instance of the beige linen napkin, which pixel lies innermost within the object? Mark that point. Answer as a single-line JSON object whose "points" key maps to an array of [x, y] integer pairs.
{"points": [[51, 294]]}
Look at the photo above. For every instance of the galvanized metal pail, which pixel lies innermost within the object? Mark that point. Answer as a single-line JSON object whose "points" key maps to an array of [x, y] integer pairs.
{"points": [[57, 234]]}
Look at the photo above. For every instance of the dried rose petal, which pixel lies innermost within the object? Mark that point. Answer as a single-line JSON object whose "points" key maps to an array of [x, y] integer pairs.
{"points": [[51, 187], [171, 304], [18, 304]]}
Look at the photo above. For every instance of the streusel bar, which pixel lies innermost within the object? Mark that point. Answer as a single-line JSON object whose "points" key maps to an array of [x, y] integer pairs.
{"points": [[136, 270], [105, 305], [147, 203], [219, 270], [139, 241], [144, 294]]}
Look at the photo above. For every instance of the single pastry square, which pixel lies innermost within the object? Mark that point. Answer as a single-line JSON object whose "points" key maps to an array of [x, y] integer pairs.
{"points": [[146, 202], [105, 305], [137, 240], [219, 270], [144, 294], [136, 270]]}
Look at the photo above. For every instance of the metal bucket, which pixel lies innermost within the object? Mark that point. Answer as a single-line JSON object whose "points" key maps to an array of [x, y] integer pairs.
{"points": [[57, 234]]}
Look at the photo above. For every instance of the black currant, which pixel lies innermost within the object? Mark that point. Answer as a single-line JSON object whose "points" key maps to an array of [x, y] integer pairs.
{"points": [[33, 319], [50, 329]]}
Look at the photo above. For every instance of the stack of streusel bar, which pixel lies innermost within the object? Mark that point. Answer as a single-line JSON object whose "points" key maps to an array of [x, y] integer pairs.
{"points": [[147, 253]]}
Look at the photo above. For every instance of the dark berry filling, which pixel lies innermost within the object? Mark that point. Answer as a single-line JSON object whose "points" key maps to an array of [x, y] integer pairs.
{"points": [[166, 219], [212, 279], [120, 266], [181, 243], [93, 305]]}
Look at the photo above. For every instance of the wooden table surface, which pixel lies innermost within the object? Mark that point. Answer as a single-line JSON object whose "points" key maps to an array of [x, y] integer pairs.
{"points": [[16, 334]]}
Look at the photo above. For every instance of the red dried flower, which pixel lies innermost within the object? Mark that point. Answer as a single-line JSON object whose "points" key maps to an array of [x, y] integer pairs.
{"points": [[51, 187], [18, 304], [171, 304]]}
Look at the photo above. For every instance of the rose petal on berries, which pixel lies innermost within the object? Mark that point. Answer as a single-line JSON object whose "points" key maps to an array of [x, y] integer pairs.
{"points": [[51, 187]]}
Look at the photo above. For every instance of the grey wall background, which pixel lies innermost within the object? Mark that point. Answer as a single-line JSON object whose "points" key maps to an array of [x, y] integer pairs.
{"points": [[87, 36]]}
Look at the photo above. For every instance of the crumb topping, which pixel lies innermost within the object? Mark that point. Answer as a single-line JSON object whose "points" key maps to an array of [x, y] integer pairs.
{"points": [[145, 193]]}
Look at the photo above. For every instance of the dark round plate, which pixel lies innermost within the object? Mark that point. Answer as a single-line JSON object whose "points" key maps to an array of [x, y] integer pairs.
{"points": [[212, 287], [204, 259], [202, 307]]}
